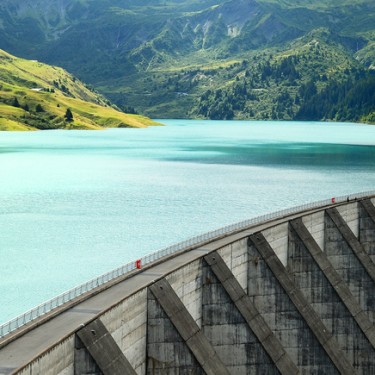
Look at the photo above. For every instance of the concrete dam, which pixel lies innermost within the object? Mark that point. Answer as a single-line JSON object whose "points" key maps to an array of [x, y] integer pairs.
{"points": [[294, 294]]}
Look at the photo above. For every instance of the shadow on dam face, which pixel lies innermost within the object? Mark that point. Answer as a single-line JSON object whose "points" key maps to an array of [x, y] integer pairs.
{"points": [[294, 295]]}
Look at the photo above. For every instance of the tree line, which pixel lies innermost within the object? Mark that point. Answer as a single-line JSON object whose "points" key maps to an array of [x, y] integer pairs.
{"points": [[348, 101]]}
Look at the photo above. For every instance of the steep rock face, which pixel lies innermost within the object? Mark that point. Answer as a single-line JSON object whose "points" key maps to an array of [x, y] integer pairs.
{"points": [[124, 25], [205, 29], [233, 14], [149, 31], [48, 11], [27, 26], [51, 18]]}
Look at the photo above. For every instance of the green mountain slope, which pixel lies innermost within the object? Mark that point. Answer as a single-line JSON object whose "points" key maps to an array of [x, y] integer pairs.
{"points": [[38, 96], [168, 58], [277, 85]]}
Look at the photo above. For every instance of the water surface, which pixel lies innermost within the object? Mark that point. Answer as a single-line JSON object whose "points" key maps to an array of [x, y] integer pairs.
{"points": [[75, 204]]}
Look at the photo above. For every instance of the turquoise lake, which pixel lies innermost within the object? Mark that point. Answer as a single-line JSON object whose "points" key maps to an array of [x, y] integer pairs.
{"points": [[76, 204]]}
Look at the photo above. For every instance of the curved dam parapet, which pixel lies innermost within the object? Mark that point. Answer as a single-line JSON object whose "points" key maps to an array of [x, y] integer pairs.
{"points": [[293, 294]]}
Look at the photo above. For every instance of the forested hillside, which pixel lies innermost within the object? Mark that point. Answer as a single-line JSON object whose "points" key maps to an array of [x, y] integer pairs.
{"points": [[246, 59]]}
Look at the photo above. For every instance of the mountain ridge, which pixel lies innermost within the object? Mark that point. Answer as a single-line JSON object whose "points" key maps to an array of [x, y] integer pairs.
{"points": [[133, 51]]}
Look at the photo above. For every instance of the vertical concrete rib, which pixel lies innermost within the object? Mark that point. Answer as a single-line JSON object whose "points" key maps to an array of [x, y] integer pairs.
{"points": [[367, 227], [335, 280], [352, 241], [104, 350], [312, 319], [369, 207], [251, 315], [188, 328], [84, 363]]}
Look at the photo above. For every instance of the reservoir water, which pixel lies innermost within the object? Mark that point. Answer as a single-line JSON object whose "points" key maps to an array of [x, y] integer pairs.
{"points": [[76, 204]]}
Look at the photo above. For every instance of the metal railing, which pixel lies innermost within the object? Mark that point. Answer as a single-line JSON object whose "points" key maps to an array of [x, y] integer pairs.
{"points": [[71, 294]]}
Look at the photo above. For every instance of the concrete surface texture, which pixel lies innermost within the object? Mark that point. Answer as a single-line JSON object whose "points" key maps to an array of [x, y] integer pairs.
{"points": [[290, 296]]}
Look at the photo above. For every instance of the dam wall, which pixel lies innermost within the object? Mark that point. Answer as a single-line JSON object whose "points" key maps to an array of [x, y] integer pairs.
{"points": [[292, 295]]}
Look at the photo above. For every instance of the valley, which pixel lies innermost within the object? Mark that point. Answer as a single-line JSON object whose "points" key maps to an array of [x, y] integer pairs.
{"points": [[213, 59]]}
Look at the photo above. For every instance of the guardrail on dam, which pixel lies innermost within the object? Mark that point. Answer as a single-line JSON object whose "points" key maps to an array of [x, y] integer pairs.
{"points": [[291, 294]]}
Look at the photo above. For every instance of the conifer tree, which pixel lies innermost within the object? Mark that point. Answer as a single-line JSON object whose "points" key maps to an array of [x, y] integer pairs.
{"points": [[68, 115], [39, 108], [15, 103]]}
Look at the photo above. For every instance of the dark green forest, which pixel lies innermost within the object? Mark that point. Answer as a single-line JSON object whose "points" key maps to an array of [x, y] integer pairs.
{"points": [[352, 100]]}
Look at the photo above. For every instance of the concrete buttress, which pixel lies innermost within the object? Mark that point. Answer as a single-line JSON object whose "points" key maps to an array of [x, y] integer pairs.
{"points": [[331, 298], [261, 348], [104, 350], [316, 338], [350, 260], [367, 227], [191, 335]]}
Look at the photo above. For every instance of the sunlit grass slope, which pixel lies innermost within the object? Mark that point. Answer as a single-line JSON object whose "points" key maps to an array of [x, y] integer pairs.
{"points": [[37, 96]]}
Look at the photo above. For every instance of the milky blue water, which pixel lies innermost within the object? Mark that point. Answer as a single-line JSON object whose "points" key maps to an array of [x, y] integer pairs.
{"points": [[76, 204]]}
